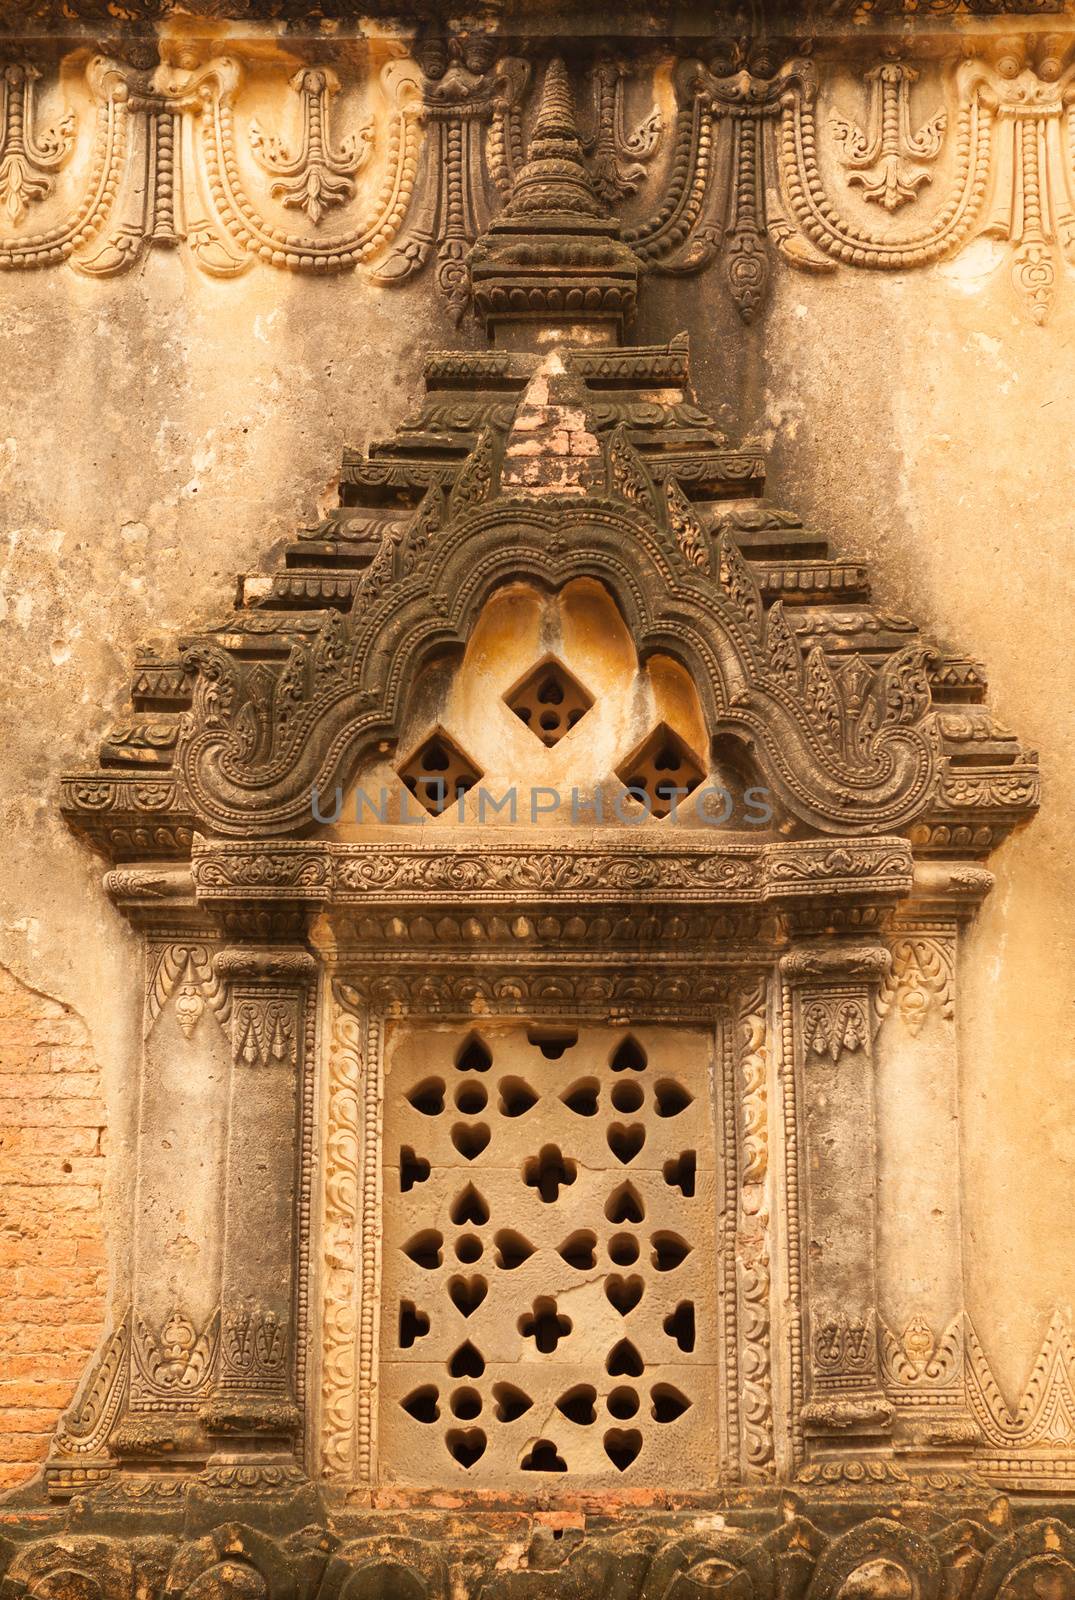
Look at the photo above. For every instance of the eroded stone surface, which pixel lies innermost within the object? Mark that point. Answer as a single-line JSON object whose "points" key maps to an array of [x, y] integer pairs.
{"points": [[842, 1358]]}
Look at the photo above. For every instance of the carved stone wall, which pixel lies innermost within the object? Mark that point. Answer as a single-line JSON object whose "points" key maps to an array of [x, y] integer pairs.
{"points": [[730, 156], [231, 249]]}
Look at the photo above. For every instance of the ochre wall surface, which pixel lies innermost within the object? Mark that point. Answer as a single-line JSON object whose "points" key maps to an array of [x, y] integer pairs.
{"points": [[163, 431]]}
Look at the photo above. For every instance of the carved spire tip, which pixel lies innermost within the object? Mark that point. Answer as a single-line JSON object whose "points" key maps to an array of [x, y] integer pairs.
{"points": [[556, 110]]}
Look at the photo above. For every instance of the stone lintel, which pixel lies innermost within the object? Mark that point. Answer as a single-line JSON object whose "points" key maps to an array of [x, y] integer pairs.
{"points": [[598, 867]]}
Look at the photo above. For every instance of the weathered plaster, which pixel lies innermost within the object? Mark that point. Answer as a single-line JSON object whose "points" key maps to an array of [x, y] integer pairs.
{"points": [[164, 431]]}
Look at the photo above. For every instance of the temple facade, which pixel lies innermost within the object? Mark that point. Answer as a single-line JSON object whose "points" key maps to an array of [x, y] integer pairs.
{"points": [[536, 1021]]}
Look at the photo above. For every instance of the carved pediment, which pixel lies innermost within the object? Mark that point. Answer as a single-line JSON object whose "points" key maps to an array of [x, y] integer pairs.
{"points": [[596, 464]]}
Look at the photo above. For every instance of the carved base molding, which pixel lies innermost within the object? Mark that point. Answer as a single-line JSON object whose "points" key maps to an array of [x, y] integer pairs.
{"points": [[811, 1545]]}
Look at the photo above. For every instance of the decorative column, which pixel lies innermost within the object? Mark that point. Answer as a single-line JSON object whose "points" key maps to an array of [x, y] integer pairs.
{"points": [[920, 1194], [829, 996], [252, 1405], [153, 1372]]}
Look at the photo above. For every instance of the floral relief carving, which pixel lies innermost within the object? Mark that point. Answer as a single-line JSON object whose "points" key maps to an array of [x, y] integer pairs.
{"points": [[917, 1359], [342, 1242], [174, 1363], [945, 1383], [318, 174], [254, 1343], [1044, 1415], [28, 156], [833, 1027], [445, 138], [263, 1033], [843, 1348], [319, 182], [924, 1376], [56, 242], [183, 973], [464, 92], [618, 158], [1011, 175], [1033, 204], [887, 160], [368, 872], [920, 978], [753, 1243], [457, 992]]}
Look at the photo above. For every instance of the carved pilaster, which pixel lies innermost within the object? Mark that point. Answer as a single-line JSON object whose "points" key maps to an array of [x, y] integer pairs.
{"points": [[920, 1231], [252, 1398], [830, 991], [172, 1331]]}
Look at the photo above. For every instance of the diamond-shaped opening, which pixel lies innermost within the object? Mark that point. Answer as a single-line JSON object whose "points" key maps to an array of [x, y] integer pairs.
{"points": [[549, 700], [438, 773], [662, 772]]}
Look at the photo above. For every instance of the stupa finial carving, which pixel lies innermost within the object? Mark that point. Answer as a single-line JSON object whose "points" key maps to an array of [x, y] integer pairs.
{"points": [[554, 254], [555, 181]]}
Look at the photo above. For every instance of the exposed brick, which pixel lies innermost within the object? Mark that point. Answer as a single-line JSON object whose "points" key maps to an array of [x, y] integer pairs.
{"points": [[62, 1142], [19, 1419], [53, 1113], [53, 1312], [66, 1369], [32, 1447], [39, 1282], [28, 1397], [32, 1170], [45, 1250], [47, 1340], [19, 1199], [26, 1086], [71, 1058], [53, 1266], [91, 1252], [21, 1055], [60, 1030]]}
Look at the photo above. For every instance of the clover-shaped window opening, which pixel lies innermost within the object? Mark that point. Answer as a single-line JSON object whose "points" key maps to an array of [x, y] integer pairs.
{"points": [[662, 772], [438, 773], [549, 700]]}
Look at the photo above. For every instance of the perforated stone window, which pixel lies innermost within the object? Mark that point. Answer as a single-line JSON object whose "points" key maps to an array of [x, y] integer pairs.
{"points": [[549, 1304], [662, 771], [438, 773], [550, 701]]}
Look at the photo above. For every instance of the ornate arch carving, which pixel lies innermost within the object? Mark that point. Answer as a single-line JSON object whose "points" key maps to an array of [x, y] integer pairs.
{"points": [[844, 704], [875, 769]]}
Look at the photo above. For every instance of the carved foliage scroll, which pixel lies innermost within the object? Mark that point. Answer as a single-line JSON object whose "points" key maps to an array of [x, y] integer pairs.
{"points": [[342, 1240], [753, 1240]]}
